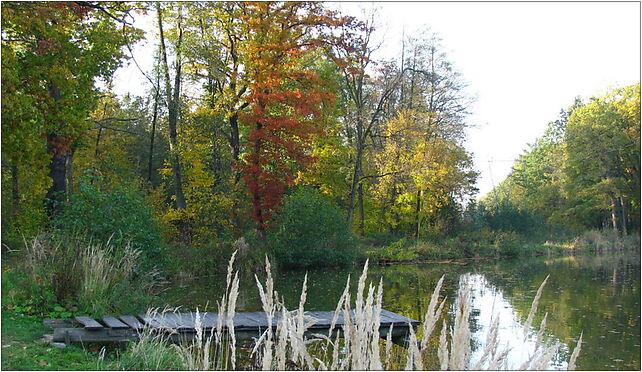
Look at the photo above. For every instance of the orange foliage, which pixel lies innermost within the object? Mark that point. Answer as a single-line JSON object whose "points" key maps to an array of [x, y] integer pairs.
{"points": [[285, 99]]}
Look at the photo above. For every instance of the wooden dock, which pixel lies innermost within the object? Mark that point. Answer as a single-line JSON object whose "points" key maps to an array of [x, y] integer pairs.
{"points": [[181, 326]]}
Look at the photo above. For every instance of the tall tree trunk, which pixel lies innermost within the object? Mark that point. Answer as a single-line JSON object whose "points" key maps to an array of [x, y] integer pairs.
{"points": [[235, 145], [615, 223], [623, 219], [361, 215], [151, 143], [173, 96], [173, 110], [69, 175], [57, 172], [96, 146], [58, 149], [417, 214], [256, 197], [153, 131], [356, 175], [15, 191], [235, 148]]}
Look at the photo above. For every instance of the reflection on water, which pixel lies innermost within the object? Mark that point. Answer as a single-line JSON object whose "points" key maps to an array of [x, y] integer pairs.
{"points": [[488, 303], [596, 295]]}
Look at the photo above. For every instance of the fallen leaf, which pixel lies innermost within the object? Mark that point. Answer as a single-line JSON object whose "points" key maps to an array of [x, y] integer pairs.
{"points": [[42, 363]]}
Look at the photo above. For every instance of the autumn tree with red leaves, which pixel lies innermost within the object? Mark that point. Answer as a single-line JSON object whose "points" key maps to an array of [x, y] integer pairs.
{"points": [[286, 99]]}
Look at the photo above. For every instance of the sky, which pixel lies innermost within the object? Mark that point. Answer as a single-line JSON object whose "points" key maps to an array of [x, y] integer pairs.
{"points": [[523, 63]]}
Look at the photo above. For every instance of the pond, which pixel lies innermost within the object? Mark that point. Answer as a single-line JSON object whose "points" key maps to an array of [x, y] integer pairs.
{"points": [[598, 296]]}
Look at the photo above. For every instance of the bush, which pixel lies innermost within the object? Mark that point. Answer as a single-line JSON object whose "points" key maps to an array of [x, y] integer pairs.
{"points": [[311, 231], [395, 251], [118, 214]]}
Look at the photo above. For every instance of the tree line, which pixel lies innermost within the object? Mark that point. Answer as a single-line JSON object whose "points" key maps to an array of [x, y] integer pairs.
{"points": [[252, 110], [583, 173], [245, 103]]}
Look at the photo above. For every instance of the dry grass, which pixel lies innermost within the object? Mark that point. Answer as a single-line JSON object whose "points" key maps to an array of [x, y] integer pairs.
{"points": [[607, 241], [89, 272]]}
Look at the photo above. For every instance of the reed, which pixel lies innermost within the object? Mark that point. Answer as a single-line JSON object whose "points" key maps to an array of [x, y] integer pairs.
{"points": [[460, 333], [576, 353], [531, 313], [213, 351]]}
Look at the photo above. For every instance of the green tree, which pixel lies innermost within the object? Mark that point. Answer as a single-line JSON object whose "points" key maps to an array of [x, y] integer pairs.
{"points": [[603, 150], [52, 55]]}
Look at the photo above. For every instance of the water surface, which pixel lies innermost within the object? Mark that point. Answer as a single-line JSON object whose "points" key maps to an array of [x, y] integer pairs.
{"points": [[596, 295]]}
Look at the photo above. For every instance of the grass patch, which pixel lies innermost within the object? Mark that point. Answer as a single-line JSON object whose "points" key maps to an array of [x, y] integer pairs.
{"points": [[22, 349]]}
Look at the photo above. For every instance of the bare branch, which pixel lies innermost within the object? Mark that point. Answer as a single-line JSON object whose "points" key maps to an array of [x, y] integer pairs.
{"points": [[380, 175]]}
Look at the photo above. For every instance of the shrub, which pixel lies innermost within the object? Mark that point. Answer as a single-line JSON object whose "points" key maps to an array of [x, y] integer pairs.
{"points": [[430, 250], [114, 213], [311, 231], [507, 244], [396, 251]]}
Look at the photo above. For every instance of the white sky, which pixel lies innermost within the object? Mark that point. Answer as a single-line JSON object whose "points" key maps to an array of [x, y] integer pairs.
{"points": [[523, 61]]}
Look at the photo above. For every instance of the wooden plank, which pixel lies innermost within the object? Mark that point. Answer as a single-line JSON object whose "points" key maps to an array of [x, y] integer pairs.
{"points": [[323, 319], [102, 335], [248, 321], [59, 323], [114, 323], [155, 321], [209, 319], [187, 321], [249, 324], [396, 318], [88, 323], [176, 321], [386, 318], [132, 322]]}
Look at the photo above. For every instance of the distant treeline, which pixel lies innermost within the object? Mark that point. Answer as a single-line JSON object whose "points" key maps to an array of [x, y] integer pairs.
{"points": [[583, 173]]}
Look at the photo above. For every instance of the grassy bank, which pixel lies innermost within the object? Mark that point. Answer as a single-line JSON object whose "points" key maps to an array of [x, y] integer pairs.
{"points": [[491, 245], [23, 350]]}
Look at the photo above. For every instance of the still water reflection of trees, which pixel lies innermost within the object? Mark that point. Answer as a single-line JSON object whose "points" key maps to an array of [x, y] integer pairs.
{"points": [[596, 295]]}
